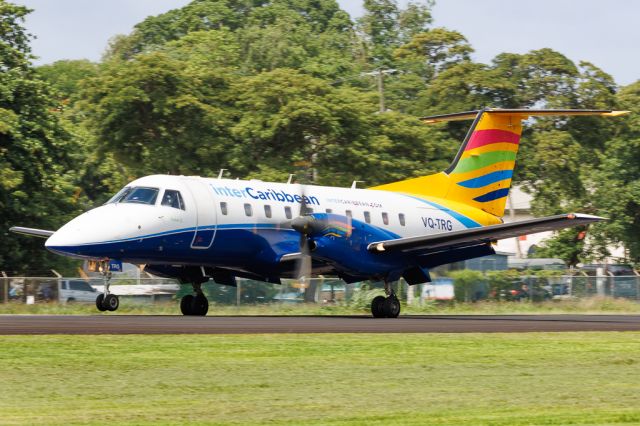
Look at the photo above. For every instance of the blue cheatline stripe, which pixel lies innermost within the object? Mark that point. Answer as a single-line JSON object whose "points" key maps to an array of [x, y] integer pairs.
{"points": [[200, 228], [469, 223], [494, 195], [142, 237], [488, 179]]}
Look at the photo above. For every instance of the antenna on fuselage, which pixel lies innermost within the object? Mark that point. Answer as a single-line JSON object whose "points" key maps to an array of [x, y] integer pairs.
{"points": [[354, 185], [291, 175], [221, 173]]}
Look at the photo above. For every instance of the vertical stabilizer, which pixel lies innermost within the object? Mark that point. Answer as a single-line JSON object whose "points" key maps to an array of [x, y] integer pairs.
{"points": [[480, 174]]}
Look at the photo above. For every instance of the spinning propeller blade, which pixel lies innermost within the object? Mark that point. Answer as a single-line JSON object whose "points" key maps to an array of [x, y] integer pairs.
{"points": [[301, 224]]}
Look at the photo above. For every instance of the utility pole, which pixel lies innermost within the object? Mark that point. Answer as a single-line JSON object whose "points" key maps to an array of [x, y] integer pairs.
{"points": [[381, 90], [379, 75]]}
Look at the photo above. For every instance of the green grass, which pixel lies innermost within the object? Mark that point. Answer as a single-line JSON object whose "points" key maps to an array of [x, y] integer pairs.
{"points": [[455, 379], [595, 305]]}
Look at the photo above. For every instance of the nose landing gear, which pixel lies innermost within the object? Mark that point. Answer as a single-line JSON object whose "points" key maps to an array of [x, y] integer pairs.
{"points": [[386, 307], [196, 305], [106, 301]]}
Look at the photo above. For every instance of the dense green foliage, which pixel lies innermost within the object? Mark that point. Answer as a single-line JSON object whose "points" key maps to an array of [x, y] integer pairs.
{"points": [[265, 88], [37, 154]]}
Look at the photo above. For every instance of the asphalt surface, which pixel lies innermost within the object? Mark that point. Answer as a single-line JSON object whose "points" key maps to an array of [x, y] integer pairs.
{"points": [[139, 324]]}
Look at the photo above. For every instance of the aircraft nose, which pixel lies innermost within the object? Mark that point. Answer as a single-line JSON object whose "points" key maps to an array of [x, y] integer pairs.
{"points": [[83, 235], [54, 240], [69, 239]]}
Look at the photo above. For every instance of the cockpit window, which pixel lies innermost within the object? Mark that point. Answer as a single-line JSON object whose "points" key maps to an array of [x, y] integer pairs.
{"points": [[141, 195], [122, 193], [172, 198]]}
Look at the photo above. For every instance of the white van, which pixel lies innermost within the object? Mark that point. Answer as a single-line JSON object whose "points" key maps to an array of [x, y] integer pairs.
{"points": [[69, 290]]}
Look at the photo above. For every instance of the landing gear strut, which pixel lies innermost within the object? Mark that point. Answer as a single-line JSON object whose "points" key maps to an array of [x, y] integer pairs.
{"points": [[106, 301], [386, 307], [197, 304]]}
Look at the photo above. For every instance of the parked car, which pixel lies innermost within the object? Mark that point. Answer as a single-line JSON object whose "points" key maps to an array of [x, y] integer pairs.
{"points": [[521, 291], [68, 290], [620, 269]]}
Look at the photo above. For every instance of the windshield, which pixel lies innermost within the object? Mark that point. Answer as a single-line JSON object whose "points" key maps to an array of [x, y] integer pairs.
{"points": [[140, 195], [122, 193]]}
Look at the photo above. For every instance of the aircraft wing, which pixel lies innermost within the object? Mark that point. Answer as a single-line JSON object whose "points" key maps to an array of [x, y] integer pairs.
{"points": [[475, 236], [42, 233]]}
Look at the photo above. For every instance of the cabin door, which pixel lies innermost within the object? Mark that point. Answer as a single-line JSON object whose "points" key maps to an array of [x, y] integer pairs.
{"points": [[204, 200]]}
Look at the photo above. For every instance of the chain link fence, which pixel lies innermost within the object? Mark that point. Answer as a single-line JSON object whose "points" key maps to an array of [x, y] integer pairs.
{"points": [[37, 290]]}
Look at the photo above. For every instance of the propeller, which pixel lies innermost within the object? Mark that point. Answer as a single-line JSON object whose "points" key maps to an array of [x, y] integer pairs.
{"points": [[302, 225]]}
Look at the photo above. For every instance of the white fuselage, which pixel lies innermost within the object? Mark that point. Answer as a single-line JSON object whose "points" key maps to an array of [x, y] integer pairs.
{"points": [[242, 225], [253, 202]]}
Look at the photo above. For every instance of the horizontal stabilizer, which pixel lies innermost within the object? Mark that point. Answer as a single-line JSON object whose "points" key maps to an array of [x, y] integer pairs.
{"points": [[42, 233], [475, 236], [470, 115]]}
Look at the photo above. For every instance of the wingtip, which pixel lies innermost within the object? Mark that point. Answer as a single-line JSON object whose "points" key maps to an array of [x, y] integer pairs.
{"points": [[616, 113], [586, 216], [43, 233]]}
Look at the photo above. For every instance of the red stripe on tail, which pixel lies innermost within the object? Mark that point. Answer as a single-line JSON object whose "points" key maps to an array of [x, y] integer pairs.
{"points": [[486, 137]]}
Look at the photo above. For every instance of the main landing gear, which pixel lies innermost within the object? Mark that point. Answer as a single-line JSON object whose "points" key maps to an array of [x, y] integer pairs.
{"points": [[197, 304], [386, 307], [106, 301]]}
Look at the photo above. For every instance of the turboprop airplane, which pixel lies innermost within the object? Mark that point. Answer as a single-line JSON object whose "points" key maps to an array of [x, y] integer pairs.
{"points": [[195, 229]]}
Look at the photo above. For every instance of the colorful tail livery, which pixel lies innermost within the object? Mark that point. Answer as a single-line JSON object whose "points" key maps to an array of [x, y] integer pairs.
{"points": [[480, 175]]}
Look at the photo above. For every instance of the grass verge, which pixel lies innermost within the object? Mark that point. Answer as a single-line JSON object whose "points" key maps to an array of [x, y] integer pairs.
{"points": [[412, 379]]}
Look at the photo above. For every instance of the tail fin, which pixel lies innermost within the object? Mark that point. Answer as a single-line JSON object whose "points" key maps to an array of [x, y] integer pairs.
{"points": [[480, 175]]}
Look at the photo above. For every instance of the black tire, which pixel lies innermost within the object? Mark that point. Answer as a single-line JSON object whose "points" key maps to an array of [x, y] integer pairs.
{"points": [[111, 302], [377, 307], [185, 304], [200, 305], [100, 303], [391, 307]]}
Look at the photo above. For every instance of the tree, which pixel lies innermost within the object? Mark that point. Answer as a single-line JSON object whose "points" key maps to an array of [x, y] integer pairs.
{"points": [[420, 60], [414, 19], [37, 186], [157, 113], [433, 51], [617, 179], [65, 76], [379, 28], [287, 111], [334, 131]]}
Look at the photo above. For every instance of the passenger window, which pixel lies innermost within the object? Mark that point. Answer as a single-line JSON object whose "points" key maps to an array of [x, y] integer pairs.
{"points": [[367, 217], [173, 199], [329, 210], [223, 208], [385, 218], [306, 210], [141, 195], [267, 210], [401, 218], [287, 212], [348, 213], [248, 210]]}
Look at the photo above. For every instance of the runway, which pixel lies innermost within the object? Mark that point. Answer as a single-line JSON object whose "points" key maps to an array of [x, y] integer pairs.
{"points": [[142, 324]]}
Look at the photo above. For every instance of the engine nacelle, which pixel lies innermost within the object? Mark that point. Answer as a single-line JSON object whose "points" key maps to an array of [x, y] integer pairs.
{"points": [[342, 241]]}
